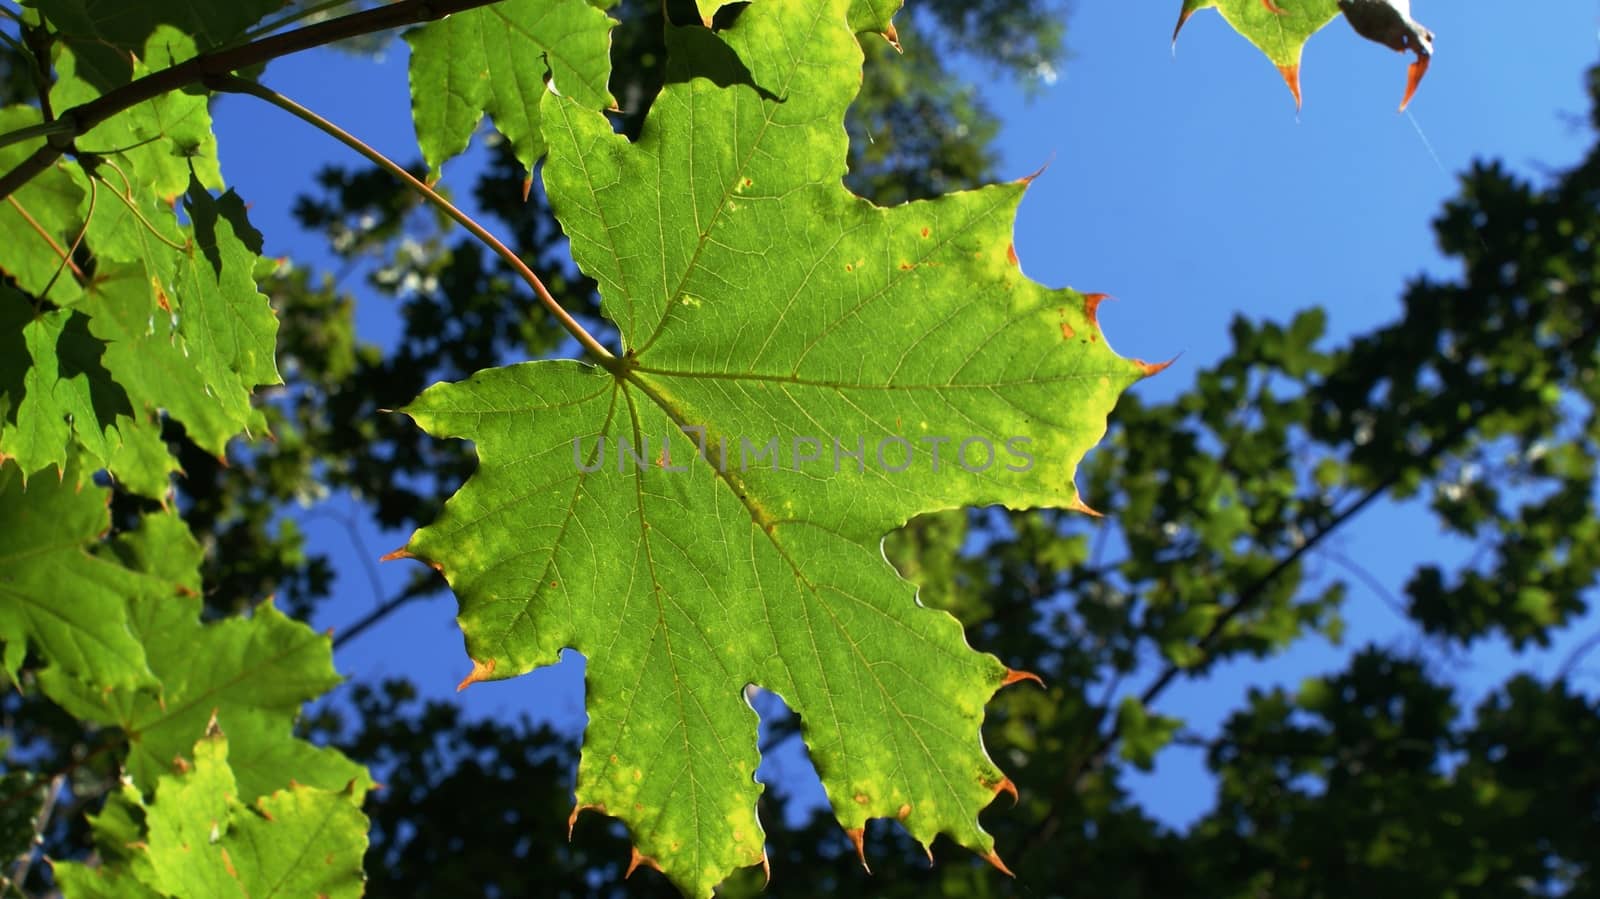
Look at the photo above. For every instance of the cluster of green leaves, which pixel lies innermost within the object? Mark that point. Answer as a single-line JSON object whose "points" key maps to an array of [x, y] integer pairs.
{"points": [[139, 332], [129, 356]]}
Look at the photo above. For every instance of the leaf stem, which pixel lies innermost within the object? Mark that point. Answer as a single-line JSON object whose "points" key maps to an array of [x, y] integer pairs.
{"points": [[127, 200], [38, 130], [224, 62], [40, 230], [235, 84], [66, 258]]}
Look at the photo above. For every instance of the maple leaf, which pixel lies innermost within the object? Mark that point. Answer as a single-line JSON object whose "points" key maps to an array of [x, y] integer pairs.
{"points": [[762, 307], [201, 839], [1278, 29], [70, 605], [252, 674], [1281, 28]]}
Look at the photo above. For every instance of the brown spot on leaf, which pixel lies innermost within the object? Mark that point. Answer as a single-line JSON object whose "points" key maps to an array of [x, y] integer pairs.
{"points": [[1011, 255], [904, 813], [926, 231], [861, 799], [1066, 331]]}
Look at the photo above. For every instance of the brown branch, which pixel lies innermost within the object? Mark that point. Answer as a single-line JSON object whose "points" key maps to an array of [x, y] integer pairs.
{"points": [[224, 62], [405, 597]]}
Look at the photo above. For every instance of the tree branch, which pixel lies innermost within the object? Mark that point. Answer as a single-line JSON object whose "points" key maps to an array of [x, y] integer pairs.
{"points": [[1246, 600], [85, 116], [384, 610]]}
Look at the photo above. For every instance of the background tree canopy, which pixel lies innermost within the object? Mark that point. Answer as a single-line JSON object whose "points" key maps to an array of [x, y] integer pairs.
{"points": [[1219, 504]]}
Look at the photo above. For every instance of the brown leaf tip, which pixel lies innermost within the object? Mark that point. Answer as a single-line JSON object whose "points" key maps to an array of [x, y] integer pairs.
{"points": [[1414, 73], [1006, 786], [993, 858], [1091, 306], [401, 553], [1014, 675], [858, 836], [1078, 505], [635, 860], [892, 35], [1183, 19], [1291, 77], [481, 671], [572, 819], [1028, 179], [1151, 369]]}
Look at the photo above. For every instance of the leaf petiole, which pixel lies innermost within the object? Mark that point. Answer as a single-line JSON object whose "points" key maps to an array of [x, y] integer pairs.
{"points": [[235, 84], [127, 200], [36, 131]]}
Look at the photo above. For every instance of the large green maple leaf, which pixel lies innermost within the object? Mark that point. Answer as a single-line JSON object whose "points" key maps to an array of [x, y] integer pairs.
{"points": [[762, 307]]}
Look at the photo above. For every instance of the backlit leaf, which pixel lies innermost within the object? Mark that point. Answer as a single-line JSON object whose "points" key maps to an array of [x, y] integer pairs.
{"points": [[761, 304], [252, 673], [71, 606]]}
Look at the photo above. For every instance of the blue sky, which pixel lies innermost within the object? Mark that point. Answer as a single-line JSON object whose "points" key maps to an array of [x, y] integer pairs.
{"points": [[1186, 186]]}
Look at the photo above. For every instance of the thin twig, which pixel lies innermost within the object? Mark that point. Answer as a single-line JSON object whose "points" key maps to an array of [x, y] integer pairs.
{"points": [[244, 86], [365, 622], [358, 543], [1378, 588], [40, 822], [40, 230], [66, 258], [1577, 655], [224, 62]]}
